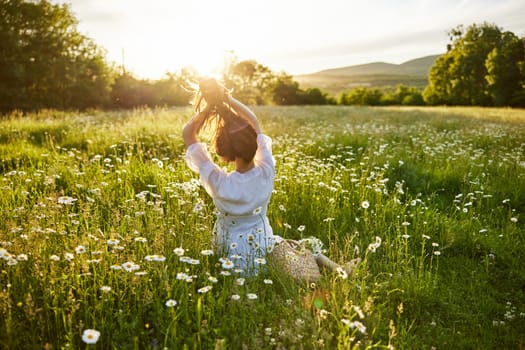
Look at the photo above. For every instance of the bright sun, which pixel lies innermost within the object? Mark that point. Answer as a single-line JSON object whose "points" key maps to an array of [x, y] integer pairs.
{"points": [[197, 41]]}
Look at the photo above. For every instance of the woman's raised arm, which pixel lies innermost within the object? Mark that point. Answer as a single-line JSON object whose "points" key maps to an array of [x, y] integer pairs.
{"points": [[193, 126], [245, 113]]}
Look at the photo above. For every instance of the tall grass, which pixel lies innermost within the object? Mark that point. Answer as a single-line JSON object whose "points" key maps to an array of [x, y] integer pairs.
{"points": [[104, 227]]}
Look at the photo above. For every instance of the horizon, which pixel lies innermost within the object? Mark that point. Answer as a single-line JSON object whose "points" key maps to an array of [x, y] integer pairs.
{"points": [[297, 37]]}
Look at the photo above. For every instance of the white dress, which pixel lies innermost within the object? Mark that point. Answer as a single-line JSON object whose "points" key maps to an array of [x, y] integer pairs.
{"points": [[242, 231]]}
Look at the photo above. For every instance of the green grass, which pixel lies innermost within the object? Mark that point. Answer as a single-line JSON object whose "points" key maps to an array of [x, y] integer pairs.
{"points": [[85, 196]]}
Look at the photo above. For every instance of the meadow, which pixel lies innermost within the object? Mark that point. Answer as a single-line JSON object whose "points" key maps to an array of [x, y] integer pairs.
{"points": [[105, 233]]}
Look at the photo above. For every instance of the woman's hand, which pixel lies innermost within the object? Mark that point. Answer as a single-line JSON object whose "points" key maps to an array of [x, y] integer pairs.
{"points": [[194, 125], [213, 93]]}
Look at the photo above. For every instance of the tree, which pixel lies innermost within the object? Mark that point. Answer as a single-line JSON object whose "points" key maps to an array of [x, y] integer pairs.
{"points": [[480, 67], [362, 96], [504, 76], [45, 62], [286, 91], [251, 81]]}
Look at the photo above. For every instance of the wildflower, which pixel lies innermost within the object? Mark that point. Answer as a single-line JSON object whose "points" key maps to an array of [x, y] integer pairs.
{"points": [[372, 247], [141, 273], [140, 240], [257, 211], [80, 249], [227, 264], [155, 257], [170, 303], [54, 257], [260, 261], [437, 252], [405, 223], [112, 241], [181, 276], [359, 312], [405, 236], [22, 257], [251, 296], [204, 290], [365, 204], [179, 251], [426, 237], [301, 228], [130, 266], [69, 256], [354, 324], [514, 219], [90, 336], [226, 273], [213, 279], [434, 244], [115, 267], [66, 200], [268, 331], [236, 297], [240, 281], [268, 281], [341, 272], [197, 208], [105, 289], [207, 252]]}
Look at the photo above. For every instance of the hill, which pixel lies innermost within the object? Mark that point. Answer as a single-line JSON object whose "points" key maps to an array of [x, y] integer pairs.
{"points": [[377, 74]]}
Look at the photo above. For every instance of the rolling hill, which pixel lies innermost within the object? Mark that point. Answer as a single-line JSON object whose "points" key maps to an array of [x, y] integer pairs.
{"points": [[376, 74]]}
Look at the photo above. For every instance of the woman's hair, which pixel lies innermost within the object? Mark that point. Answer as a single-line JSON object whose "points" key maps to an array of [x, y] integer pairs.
{"points": [[233, 137]]}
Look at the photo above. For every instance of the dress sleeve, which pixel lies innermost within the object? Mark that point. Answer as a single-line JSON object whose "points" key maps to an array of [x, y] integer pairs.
{"points": [[263, 156], [199, 160]]}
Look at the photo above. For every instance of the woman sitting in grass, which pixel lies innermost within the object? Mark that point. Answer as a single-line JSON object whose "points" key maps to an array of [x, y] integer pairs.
{"points": [[242, 231]]}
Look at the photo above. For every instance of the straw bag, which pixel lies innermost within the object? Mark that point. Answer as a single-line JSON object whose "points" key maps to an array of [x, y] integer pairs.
{"points": [[296, 261]]}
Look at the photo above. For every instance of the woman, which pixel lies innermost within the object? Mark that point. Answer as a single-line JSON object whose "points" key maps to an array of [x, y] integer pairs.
{"points": [[241, 197], [242, 230]]}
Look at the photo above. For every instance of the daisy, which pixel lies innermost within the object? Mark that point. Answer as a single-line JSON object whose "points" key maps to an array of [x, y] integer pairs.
{"points": [[54, 257], [130, 266], [227, 264], [260, 261], [66, 200], [179, 251], [207, 252], [204, 290], [257, 211], [90, 336], [236, 297], [171, 303], [80, 249], [112, 241], [365, 204], [181, 276], [105, 289], [251, 296]]}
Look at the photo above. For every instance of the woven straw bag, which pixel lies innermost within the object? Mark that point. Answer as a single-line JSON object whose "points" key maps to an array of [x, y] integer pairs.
{"points": [[296, 261]]}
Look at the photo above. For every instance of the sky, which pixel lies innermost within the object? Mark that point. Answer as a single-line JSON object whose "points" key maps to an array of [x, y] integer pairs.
{"points": [[295, 36]]}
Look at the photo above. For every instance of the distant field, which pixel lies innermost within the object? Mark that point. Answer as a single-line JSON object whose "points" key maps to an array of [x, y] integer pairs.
{"points": [[104, 227]]}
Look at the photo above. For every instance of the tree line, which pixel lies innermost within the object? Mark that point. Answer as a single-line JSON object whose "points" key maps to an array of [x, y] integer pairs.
{"points": [[46, 63]]}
